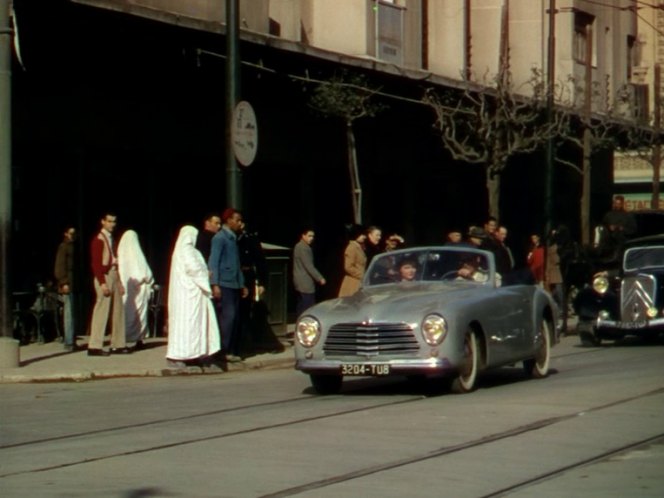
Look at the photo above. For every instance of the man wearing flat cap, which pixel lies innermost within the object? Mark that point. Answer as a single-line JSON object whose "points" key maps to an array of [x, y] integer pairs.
{"points": [[478, 237], [482, 240]]}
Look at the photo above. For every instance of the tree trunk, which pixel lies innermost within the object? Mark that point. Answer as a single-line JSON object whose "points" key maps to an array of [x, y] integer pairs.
{"points": [[356, 189], [493, 189]]}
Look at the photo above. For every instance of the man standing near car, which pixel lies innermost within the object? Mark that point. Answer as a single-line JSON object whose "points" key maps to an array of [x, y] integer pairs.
{"points": [[620, 222], [305, 274]]}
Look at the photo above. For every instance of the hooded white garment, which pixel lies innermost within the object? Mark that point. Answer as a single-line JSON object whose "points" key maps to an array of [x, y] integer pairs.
{"points": [[192, 324], [136, 277]]}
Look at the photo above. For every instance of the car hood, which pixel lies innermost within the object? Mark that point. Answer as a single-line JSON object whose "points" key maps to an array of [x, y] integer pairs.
{"points": [[395, 301]]}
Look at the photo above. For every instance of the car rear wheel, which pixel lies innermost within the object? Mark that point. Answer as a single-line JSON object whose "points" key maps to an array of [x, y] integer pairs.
{"points": [[538, 367], [326, 384], [467, 377]]}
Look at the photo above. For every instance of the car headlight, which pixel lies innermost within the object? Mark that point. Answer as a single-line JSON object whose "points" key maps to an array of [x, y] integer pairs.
{"points": [[600, 284], [307, 331], [434, 328]]}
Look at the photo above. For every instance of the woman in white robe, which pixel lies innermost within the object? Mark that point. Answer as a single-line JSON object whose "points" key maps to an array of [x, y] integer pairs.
{"points": [[137, 280], [193, 332]]}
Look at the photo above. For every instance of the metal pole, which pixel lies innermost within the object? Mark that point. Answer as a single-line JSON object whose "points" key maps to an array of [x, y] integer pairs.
{"points": [[5, 169], [587, 145], [233, 174], [657, 157], [466, 41], [550, 156], [550, 152], [9, 350]]}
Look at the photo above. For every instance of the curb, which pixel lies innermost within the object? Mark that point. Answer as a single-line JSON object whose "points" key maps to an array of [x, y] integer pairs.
{"points": [[259, 364]]}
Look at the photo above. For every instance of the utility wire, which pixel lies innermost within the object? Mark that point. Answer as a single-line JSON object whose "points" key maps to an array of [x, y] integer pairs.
{"points": [[634, 8], [659, 31]]}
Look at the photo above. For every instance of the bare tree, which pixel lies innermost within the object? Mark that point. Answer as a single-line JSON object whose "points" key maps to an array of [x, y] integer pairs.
{"points": [[488, 124], [645, 142], [592, 132], [347, 96]]}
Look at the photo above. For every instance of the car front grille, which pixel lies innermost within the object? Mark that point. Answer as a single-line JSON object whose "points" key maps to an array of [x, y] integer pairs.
{"points": [[374, 339], [638, 294]]}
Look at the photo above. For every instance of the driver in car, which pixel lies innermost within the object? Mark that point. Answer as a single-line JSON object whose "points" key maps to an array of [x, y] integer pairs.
{"points": [[470, 270]]}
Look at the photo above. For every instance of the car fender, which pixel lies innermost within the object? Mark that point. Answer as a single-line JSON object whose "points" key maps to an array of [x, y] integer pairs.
{"points": [[545, 308]]}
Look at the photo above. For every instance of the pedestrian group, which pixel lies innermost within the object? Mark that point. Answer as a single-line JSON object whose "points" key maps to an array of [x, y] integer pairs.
{"points": [[217, 275]]}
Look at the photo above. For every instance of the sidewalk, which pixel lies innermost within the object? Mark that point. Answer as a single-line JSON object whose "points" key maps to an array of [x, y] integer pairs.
{"points": [[49, 362]]}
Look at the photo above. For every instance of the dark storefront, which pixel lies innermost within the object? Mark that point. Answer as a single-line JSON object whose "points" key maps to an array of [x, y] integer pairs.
{"points": [[112, 111]]}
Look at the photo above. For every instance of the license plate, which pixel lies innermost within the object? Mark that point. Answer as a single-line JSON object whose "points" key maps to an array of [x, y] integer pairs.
{"points": [[631, 325], [367, 369]]}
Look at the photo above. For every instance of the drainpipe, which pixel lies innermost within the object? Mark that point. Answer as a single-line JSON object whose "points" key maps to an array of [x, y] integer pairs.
{"points": [[466, 40]]}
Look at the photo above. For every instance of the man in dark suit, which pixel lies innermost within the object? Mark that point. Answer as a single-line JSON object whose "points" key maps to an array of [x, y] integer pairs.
{"points": [[305, 274], [64, 275]]}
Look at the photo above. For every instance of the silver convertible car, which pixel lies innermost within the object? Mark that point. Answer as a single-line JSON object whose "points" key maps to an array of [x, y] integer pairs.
{"points": [[429, 311]]}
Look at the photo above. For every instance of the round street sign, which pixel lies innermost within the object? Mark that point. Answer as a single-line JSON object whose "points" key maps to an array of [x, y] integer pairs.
{"points": [[244, 133]]}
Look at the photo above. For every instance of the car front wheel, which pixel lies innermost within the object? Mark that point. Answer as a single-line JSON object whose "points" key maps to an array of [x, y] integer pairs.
{"points": [[467, 377], [538, 367], [326, 384]]}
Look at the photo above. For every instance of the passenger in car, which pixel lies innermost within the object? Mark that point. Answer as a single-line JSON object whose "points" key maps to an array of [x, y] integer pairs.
{"points": [[407, 270]]}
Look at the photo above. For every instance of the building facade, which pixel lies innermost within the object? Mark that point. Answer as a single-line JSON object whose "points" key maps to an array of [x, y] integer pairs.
{"points": [[131, 93]]}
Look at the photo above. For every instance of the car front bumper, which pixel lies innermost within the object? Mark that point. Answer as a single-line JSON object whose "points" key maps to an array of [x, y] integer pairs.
{"points": [[654, 323]]}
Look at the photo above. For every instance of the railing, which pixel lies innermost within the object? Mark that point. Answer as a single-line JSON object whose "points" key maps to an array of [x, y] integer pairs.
{"points": [[32, 311]]}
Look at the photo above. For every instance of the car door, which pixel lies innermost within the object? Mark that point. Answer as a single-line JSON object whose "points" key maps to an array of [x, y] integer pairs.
{"points": [[506, 322]]}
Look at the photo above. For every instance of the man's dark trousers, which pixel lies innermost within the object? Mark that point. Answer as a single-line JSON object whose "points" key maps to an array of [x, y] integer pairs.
{"points": [[230, 302]]}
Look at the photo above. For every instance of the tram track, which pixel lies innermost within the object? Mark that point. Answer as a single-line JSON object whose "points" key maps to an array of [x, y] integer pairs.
{"points": [[189, 417], [492, 438], [358, 473], [577, 465], [212, 437], [362, 405]]}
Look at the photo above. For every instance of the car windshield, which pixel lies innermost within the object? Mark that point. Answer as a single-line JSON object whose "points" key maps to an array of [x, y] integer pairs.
{"points": [[638, 258], [429, 265]]}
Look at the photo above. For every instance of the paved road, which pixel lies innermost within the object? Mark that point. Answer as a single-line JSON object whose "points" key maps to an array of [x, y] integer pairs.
{"points": [[593, 428]]}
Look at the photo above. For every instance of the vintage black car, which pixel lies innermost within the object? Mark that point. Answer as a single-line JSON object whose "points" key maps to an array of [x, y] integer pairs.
{"points": [[627, 300]]}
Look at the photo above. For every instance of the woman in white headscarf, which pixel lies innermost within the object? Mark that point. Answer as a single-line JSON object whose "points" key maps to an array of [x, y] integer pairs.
{"points": [[193, 333], [137, 279]]}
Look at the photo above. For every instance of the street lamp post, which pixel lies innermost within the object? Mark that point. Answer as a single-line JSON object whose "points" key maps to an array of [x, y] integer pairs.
{"points": [[5, 166], [550, 77], [233, 174], [9, 353]]}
